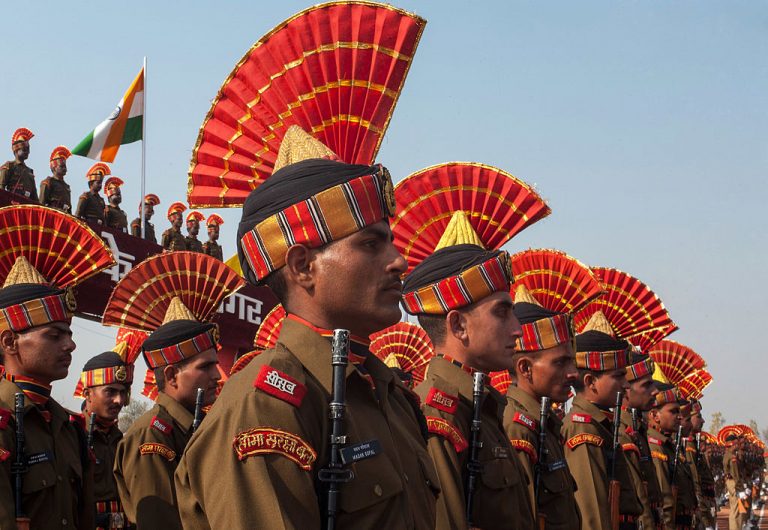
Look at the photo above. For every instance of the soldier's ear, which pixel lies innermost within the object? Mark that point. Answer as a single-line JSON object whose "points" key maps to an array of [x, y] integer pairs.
{"points": [[456, 324], [299, 268], [170, 373], [8, 342], [524, 367]]}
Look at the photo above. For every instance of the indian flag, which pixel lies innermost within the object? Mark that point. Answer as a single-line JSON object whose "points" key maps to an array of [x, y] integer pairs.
{"points": [[123, 126]]}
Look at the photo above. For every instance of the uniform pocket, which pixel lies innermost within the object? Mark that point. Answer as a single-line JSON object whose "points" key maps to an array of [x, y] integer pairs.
{"points": [[500, 473], [375, 481]]}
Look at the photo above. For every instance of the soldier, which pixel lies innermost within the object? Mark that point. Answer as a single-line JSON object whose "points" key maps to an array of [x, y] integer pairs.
{"points": [[193, 228], [90, 206], [543, 367], [270, 425], [472, 328], [588, 428], [172, 238], [150, 201], [36, 349], [211, 247], [114, 216], [707, 500], [54, 192], [640, 398], [105, 384], [15, 175], [734, 481], [664, 420]]}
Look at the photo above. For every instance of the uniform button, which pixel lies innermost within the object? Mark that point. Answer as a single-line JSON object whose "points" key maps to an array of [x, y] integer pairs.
{"points": [[377, 490], [59, 477], [405, 475], [506, 481], [45, 482], [64, 522]]}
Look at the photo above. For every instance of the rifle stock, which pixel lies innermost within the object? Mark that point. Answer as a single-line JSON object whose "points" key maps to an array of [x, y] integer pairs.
{"points": [[614, 494]]}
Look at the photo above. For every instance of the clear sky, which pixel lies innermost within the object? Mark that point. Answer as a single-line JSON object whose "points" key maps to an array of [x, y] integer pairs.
{"points": [[644, 124]]}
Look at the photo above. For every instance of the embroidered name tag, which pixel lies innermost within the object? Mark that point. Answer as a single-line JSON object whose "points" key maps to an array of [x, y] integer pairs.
{"points": [[447, 430], [581, 418], [442, 401], [161, 425], [4, 454], [5, 417], [584, 438], [262, 441], [39, 458], [282, 386], [554, 466], [157, 449], [526, 447], [361, 451], [526, 420]]}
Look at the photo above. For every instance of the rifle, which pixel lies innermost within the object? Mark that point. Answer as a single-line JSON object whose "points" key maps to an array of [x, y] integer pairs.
{"points": [[697, 444], [474, 467], [614, 491], [19, 466], [198, 410], [673, 470], [89, 439], [541, 463], [334, 474]]}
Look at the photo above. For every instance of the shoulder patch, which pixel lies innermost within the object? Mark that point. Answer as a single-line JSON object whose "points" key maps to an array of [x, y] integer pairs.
{"points": [[442, 400], [161, 425], [5, 454], [658, 455], [280, 385], [261, 441], [525, 420], [157, 449], [447, 430], [78, 419], [654, 441], [630, 447], [5, 417], [584, 438], [526, 447], [581, 418], [690, 449]]}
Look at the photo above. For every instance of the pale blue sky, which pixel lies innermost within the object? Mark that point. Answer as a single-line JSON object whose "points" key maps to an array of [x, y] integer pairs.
{"points": [[644, 124]]}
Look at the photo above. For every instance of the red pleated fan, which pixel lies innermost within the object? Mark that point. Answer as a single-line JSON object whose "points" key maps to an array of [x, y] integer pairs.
{"points": [[692, 387], [500, 381], [133, 340], [242, 361], [150, 389], [676, 361], [141, 297], [646, 340], [723, 433], [336, 70], [556, 280], [269, 330], [60, 247], [497, 204], [409, 344], [629, 305]]}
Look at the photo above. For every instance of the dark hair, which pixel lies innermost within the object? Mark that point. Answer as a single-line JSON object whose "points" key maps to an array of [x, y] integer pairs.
{"points": [[434, 325], [578, 385], [160, 379], [277, 284]]}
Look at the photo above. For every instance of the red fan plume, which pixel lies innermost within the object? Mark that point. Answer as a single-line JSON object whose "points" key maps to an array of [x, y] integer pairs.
{"points": [[406, 343], [269, 330], [133, 339], [709, 438], [645, 341], [242, 361], [728, 430], [140, 300], [692, 387], [557, 281], [628, 304], [500, 381], [497, 205], [60, 247], [675, 360], [336, 70], [150, 389]]}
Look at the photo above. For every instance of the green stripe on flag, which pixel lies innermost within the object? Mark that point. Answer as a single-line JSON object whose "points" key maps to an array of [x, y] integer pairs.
{"points": [[84, 146], [132, 132]]}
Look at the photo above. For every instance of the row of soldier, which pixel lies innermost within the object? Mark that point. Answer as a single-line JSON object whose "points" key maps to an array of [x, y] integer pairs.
{"points": [[16, 177]]}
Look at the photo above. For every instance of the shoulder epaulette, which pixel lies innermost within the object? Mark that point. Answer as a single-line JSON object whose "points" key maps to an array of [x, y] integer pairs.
{"points": [[581, 418], [442, 400], [526, 421], [161, 425], [280, 385], [5, 417], [526, 447], [447, 430], [78, 419]]}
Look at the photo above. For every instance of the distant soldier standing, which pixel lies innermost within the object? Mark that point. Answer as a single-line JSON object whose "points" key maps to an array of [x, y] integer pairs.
{"points": [[708, 499], [173, 239], [212, 247], [90, 206], [193, 228], [150, 201], [15, 175], [54, 192], [114, 216]]}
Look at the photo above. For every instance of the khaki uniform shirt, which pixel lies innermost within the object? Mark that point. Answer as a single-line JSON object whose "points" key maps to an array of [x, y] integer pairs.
{"points": [[149, 230], [90, 207], [253, 463], [57, 486], [213, 249], [114, 217], [146, 459], [708, 495], [635, 454], [663, 454], [588, 435], [173, 240], [54, 192], [557, 501], [18, 178], [501, 498], [193, 244]]}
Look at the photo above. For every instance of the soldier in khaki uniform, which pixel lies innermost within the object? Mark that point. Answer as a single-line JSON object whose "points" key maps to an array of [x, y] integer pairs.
{"points": [[707, 501], [36, 349], [90, 205], [472, 328], [734, 481], [588, 428], [114, 216], [172, 238], [150, 201], [640, 398], [271, 423], [15, 175], [211, 247], [664, 419], [193, 228], [544, 367], [54, 192]]}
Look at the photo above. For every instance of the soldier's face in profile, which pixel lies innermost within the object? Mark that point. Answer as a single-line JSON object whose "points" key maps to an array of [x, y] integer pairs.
{"points": [[552, 372], [116, 197], [193, 227], [607, 384], [59, 167], [21, 150], [176, 220], [488, 330], [669, 417], [95, 185], [106, 401], [43, 353], [149, 211], [642, 393], [213, 232], [697, 422], [201, 371]]}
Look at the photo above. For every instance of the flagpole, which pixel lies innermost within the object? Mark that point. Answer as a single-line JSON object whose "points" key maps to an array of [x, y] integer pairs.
{"points": [[144, 154]]}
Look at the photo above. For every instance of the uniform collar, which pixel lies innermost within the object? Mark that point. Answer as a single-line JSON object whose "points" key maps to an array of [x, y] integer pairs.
{"points": [[37, 393], [457, 376], [532, 406], [176, 410], [590, 409]]}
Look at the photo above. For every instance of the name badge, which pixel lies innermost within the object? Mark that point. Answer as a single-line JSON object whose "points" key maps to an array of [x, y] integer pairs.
{"points": [[39, 458], [554, 466], [500, 452], [361, 451]]}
